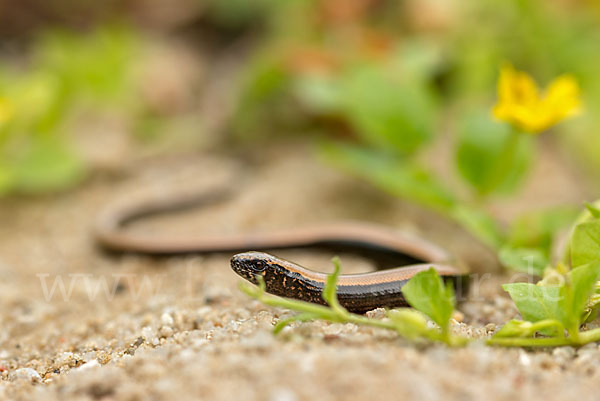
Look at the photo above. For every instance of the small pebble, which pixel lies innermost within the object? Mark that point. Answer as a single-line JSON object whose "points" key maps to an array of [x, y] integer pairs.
{"points": [[149, 336], [378, 313], [88, 365], [262, 339], [165, 332], [65, 359], [544, 361], [147, 333], [591, 347], [333, 329], [166, 319], [104, 357], [488, 309], [585, 363], [524, 358], [27, 374], [564, 353], [490, 327], [458, 316], [89, 356]]}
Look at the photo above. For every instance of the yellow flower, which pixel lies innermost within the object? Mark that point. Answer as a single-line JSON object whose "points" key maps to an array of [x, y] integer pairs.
{"points": [[521, 103]]}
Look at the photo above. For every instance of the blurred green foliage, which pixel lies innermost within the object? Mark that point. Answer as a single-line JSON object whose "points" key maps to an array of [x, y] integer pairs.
{"points": [[529, 245], [96, 66], [376, 83], [490, 155], [235, 14], [394, 175], [37, 97], [386, 113], [337, 60], [377, 88]]}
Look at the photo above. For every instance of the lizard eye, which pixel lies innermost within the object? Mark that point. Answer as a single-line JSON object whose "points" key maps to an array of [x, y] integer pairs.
{"points": [[259, 266]]}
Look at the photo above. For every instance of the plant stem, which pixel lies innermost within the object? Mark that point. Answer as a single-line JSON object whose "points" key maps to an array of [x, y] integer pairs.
{"points": [[335, 313], [582, 338], [530, 342], [322, 312], [589, 336], [506, 159]]}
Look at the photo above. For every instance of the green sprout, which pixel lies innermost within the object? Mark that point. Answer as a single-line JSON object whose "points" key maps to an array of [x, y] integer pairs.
{"points": [[557, 312], [565, 299]]}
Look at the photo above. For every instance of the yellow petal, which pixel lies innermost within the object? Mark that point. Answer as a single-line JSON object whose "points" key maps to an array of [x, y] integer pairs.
{"points": [[516, 87], [563, 96], [521, 104]]}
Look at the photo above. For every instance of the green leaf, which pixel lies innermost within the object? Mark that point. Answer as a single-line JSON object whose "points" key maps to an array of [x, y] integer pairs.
{"points": [[47, 165], [6, 178], [478, 223], [319, 93], [583, 280], [594, 211], [409, 323], [576, 293], [586, 215], [535, 302], [522, 329], [515, 328], [261, 102], [585, 243], [565, 303], [418, 59], [398, 177], [408, 180], [96, 65], [592, 307], [37, 102], [427, 293], [490, 156], [526, 260], [386, 112], [537, 229]]}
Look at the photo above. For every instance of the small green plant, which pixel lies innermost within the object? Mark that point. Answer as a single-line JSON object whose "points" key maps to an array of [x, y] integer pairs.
{"points": [[554, 310], [426, 292], [566, 298]]}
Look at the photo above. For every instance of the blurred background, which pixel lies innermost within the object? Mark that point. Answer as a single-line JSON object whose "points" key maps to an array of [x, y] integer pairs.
{"points": [[396, 92]]}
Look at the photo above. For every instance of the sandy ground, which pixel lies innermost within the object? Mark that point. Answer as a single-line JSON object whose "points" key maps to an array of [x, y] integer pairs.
{"points": [[79, 324]]}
